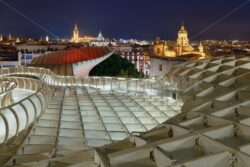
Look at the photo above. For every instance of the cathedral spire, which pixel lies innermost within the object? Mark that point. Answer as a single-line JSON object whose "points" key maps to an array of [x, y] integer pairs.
{"points": [[76, 28], [75, 38], [182, 26]]}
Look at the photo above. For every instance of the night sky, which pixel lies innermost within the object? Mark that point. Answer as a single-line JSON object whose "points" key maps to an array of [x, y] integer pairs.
{"points": [[142, 19]]}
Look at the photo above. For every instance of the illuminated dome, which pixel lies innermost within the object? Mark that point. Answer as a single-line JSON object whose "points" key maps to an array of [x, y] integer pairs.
{"points": [[187, 48]]}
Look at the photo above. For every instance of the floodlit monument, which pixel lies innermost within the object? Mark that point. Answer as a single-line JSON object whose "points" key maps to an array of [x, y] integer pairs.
{"points": [[76, 38], [181, 48]]}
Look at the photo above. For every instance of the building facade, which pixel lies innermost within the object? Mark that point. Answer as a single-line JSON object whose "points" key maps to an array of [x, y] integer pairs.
{"points": [[100, 41], [160, 66], [181, 48], [76, 38], [29, 52], [140, 59]]}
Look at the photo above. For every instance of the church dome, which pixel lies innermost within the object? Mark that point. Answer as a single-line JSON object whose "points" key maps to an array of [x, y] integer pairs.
{"points": [[187, 48]]}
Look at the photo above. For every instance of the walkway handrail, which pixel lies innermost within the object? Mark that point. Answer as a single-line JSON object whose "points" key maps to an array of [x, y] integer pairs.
{"points": [[14, 122], [6, 85], [21, 114], [109, 83]]}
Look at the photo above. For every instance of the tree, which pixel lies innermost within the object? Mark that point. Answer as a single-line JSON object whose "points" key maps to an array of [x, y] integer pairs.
{"points": [[116, 66]]}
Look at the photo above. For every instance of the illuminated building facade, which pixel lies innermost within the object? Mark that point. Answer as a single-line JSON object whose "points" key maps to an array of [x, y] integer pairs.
{"points": [[181, 48], [77, 39], [140, 59]]}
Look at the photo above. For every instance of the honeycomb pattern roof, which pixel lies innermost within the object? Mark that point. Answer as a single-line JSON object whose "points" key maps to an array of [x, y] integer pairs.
{"points": [[213, 128]]}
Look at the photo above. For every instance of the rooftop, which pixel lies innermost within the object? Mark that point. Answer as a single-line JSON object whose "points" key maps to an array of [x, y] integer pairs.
{"points": [[67, 117], [129, 122], [70, 56]]}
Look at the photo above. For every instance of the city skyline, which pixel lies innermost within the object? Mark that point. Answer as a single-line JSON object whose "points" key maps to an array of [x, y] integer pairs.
{"points": [[127, 19]]}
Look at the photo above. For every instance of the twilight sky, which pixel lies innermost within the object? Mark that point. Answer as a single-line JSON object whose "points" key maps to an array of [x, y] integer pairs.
{"points": [[143, 19]]}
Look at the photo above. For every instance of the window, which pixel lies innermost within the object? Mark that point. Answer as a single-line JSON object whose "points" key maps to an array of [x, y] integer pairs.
{"points": [[158, 51], [174, 96], [160, 67]]}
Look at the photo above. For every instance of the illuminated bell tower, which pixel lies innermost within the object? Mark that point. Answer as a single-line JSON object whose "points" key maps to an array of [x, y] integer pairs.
{"points": [[76, 35], [182, 39]]}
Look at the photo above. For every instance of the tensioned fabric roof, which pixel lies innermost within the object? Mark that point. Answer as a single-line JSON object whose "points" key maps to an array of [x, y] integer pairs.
{"points": [[71, 56]]}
